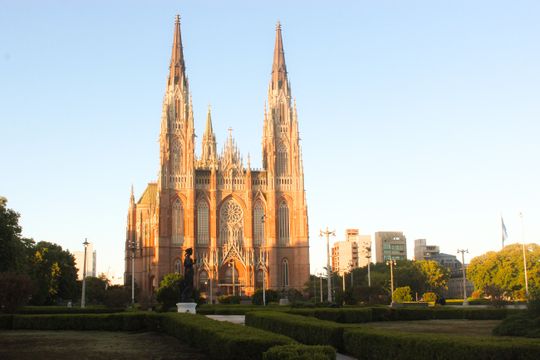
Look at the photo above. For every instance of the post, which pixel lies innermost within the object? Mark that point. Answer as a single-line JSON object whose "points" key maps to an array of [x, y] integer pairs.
{"points": [[391, 263], [132, 275], [463, 251], [369, 272], [524, 257], [211, 283], [328, 266], [83, 296], [320, 290], [233, 284]]}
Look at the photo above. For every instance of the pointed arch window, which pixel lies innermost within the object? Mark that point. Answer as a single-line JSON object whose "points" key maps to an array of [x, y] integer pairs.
{"points": [[258, 224], [283, 223], [177, 223], [282, 160], [203, 232], [285, 273], [177, 266]]}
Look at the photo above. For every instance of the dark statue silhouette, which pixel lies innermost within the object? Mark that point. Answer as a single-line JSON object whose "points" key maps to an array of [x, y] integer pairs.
{"points": [[187, 292]]}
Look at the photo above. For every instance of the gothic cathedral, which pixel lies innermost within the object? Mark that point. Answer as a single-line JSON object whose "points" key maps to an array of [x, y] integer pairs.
{"points": [[245, 226]]}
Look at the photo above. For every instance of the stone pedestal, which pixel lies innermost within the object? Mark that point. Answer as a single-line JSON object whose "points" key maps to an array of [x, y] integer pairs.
{"points": [[189, 308]]}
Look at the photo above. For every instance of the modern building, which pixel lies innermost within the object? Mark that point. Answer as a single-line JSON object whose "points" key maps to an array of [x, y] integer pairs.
{"points": [[90, 262], [422, 251], [241, 222], [354, 251], [390, 245]]}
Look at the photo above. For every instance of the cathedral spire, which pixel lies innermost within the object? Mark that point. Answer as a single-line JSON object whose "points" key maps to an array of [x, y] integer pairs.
{"points": [[177, 67], [132, 196], [208, 154], [279, 69]]}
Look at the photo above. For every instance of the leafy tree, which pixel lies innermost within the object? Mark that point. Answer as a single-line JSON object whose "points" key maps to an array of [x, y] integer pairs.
{"points": [[96, 288], [14, 249], [402, 294], [54, 274], [170, 290], [116, 296], [15, 290], [503, 270], [435, 276]]}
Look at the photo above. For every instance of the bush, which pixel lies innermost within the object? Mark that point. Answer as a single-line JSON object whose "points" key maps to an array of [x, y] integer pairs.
{"points": [[534, 302], [29, 310], [221, 340], [107, 322], [170, 290], [6, 322], [271, 296], [117, 297], [402, 294], [15, 290], [229, 299], [343, 315], [519, 325], [366, 343], [300, 352], [429, 297], [304, 329]]}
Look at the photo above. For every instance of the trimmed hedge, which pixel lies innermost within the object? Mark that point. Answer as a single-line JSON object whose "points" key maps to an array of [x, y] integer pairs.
{"points": [[6, 322], [236, 309], [300, 352], [68, 310], [221, 340], [343, 315], [305, 329], [106, 322], [367, 343], [525, 325]]}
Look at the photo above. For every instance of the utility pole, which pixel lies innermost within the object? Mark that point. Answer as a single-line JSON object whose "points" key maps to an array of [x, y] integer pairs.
{"points": [[463, 251], [263, 257], [327, 233], [83, 296]]}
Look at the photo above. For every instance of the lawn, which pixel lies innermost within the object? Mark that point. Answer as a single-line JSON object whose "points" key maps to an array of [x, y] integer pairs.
{"points": [[92, 345], [455, 327]]}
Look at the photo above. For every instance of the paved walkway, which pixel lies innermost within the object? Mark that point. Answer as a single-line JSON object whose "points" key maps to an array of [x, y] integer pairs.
{"points": [[241, 319]]}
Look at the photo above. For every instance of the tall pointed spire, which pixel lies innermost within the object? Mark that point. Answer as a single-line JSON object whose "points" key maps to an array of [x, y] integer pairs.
{"points": [[279, 69], [177, 67], [208, 153]]}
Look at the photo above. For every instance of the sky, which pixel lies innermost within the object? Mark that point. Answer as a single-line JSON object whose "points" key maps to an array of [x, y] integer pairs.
{"points": [[415, 116]]}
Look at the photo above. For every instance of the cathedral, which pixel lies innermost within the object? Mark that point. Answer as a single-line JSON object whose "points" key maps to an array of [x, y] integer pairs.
{"points": [[246, 226]]}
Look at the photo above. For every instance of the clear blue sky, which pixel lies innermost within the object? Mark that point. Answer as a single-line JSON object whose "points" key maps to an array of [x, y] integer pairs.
{"points": [[416, 116]]}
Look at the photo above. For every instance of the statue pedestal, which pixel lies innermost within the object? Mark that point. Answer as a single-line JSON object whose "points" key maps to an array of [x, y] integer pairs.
{"points": [[189, 308]]}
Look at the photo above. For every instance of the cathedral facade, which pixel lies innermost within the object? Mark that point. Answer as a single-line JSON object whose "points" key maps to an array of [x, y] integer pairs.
{"points": [[245, 226]]}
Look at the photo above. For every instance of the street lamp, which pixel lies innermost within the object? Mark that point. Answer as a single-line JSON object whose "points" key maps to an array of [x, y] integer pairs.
{"points": [[327, 233], [524, 258], [83, 296], [368, 256], [463, 251], [263, 260], [351, 268], [320, 275], [132, 245], [231, 265], [392, 263]]}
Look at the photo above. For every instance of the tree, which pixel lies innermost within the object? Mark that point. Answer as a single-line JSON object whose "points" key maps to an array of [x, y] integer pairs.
{"points": [[170, 290], [14, 249], [503, 270], [54, 274], [96, 288], [15, 290], [435, 276]]}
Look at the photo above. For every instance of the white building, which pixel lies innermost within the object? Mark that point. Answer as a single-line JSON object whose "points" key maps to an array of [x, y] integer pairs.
{"points": [[353, 252], [90, 262]]}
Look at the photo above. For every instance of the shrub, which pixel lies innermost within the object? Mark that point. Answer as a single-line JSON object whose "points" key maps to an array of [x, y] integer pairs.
{"points": [[300, 352], [221, 340], [170, 290], [116, 297], [402, 294], [271, 296], [344, 315], [229, 299], [6, 322], [304, 329], [534, 302], [108, 322], [15, 290], [366, 343], [67, 310], [429, 297]]}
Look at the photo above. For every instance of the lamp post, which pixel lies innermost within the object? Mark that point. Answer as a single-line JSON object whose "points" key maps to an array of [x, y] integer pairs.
{"points": [[320, 274], [327, 233], [231, 265], [368, 256], [351, 268], [524, 257], [392, 263], [463, 251], [132, 246], [263, 258], [83, 295]]}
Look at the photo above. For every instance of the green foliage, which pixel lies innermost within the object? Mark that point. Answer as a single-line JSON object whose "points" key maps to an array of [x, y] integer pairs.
{"points": [[271, 296], [402, 294], [519, 325], [534, 301], [14, 249], [15, 290], [304, 329], [501, 273], [95, 289], [366, 343], [343, 315], [236, 309], [54, 274], [229, 299], [300, 352], [34, 310], [108, 322], [221, 340], [429, 297], [170, 290], [436, 276], [117, 297]]}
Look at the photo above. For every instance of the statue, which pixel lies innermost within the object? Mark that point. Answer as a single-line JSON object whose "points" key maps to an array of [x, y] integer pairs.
{"points": [[187, 292]]}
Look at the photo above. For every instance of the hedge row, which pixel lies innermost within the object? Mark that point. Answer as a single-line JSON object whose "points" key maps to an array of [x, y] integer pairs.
{"points": [[363, 315], [235, 309], [220, 340], [300, 352], [304, 329], [68, 310], [366, 343]]}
